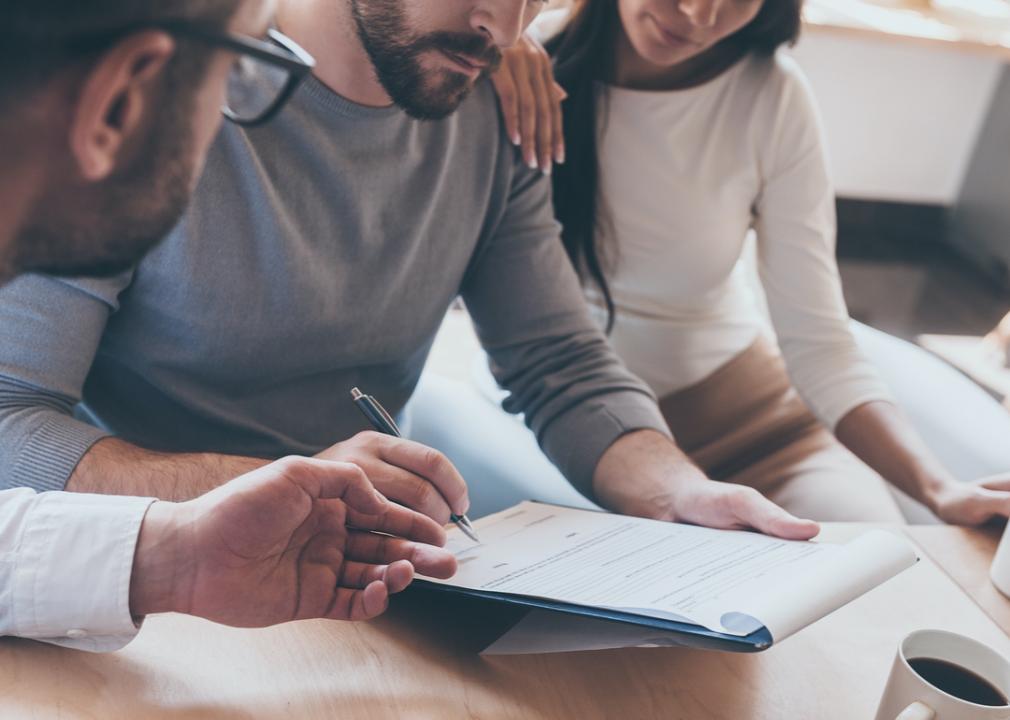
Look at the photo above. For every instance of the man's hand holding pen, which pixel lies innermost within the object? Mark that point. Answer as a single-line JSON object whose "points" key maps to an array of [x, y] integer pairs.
{"points": [[381, 421], [406, 472]]}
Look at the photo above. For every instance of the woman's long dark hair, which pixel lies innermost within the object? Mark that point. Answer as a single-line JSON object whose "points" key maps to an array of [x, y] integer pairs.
{"points": [[583, 56]]}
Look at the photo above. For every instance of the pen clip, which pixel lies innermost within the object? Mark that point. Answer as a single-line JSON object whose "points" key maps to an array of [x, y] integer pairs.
{"points": [[374, 411], [386, 416]]}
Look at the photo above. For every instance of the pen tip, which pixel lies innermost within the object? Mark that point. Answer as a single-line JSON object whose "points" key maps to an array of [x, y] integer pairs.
{"points": [[464, 524], [356, 394]]}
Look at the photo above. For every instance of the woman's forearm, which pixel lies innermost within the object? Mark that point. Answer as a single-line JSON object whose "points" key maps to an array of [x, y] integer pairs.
{"points": [[882, 437]]}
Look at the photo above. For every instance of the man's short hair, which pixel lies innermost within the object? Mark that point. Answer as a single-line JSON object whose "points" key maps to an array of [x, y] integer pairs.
{"points": [[38, 37]]}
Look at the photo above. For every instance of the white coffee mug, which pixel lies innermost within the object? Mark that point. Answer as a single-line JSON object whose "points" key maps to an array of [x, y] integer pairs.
{"points": [[909, 696], [999, 573]]}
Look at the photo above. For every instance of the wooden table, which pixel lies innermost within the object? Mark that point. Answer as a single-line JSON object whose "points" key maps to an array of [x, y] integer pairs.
{"points": [[418, 662], [965, 555]]}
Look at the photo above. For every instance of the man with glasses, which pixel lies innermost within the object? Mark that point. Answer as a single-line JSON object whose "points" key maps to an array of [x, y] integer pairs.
{"points": [[108, 109], [320, 254]]}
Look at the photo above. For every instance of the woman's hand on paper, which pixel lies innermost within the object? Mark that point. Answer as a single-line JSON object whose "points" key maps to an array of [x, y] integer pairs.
{"points": [[972, 503], [296, 539], [645, 474], [530, 101]]}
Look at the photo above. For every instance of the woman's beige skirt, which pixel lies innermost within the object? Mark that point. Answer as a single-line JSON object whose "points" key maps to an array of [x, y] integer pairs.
{"points": [[746, 424]]}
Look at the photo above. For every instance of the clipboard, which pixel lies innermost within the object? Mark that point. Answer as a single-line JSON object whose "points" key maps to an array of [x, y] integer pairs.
{"points": [[664, 584], [681, 634]]}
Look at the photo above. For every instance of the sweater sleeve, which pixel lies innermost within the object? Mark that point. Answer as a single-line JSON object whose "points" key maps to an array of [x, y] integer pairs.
{"points": [[531, 316], [50, 330], [795, 224]]}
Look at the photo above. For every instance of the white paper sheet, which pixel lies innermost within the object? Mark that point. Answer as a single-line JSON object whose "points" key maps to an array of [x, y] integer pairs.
{"points": [[729, 582]]}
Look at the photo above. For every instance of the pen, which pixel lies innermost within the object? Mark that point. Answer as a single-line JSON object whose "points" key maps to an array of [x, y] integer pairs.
{"points": [[382, 422]]}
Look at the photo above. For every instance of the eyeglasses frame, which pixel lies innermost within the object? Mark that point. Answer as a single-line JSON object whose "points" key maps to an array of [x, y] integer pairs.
{"points": [[279, 50]]}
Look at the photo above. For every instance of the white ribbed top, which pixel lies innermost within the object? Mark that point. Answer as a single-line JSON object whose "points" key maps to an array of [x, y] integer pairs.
{"points": [[686, 176]]}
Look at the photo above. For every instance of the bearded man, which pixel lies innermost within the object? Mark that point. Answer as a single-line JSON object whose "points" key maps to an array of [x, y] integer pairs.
{"points": [[320, 254]]}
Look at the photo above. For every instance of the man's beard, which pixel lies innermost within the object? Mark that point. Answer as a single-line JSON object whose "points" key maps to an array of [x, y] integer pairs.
{"points": [[122, 217], [396, 55]]}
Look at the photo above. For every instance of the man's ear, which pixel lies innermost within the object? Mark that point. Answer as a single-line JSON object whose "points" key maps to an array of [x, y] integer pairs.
{"points": [[112, 102]]}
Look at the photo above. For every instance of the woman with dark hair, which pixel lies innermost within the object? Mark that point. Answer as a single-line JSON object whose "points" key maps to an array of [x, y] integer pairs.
{"points": [[686, 131]]}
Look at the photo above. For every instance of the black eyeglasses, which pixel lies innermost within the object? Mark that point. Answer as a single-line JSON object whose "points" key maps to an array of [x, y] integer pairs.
{"points": [[264, 76]]}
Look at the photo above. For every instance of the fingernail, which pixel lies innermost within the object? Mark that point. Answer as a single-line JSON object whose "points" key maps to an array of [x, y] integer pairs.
{"points": [[548, 167], [560, 158], [516, 140], [532, 162]]}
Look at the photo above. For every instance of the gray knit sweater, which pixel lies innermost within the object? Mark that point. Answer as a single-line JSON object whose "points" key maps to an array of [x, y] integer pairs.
{"points": [[320, 252]]}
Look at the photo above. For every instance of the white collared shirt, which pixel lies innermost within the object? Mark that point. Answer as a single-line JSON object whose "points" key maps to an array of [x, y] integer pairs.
{"points": [[65, 565]]}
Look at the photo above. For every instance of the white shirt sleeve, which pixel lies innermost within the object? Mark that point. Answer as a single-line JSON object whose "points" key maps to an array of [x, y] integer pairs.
{"points": [[796, 229], [65, 566]]}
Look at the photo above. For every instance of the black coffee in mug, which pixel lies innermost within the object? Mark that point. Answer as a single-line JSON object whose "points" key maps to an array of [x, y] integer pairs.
{"points": [[958, 681]]}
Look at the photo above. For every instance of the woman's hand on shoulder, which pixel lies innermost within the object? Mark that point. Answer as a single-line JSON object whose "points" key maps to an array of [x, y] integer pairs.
{"points": [[531, 103]]}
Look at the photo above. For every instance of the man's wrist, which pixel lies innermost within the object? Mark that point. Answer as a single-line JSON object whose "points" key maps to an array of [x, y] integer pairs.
{"points": [[162, 566], [642, 474]]}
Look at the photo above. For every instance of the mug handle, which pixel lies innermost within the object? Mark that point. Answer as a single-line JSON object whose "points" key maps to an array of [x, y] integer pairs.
{"points": [[917, 711]]}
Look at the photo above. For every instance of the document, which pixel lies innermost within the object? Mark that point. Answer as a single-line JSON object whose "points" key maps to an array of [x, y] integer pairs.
{"points": [[730, 582]]}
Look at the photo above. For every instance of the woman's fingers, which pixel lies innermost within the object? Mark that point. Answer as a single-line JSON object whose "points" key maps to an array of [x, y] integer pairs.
{"points": [[550, 124], [544, 99], [526, 95], [557, 96], [559, 125], [531, 100], [505, 86]]}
